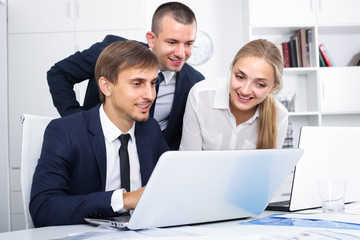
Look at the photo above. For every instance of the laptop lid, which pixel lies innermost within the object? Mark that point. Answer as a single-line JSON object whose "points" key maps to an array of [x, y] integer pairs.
{"points": [[188, 187], [329, 153]]}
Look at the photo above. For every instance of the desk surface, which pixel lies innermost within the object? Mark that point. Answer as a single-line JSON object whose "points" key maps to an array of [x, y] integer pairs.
{"points": [[58, 232], [227, 230]]}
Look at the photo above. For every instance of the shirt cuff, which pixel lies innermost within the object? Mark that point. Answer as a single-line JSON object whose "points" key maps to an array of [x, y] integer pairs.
{"points": [[117, 201]]}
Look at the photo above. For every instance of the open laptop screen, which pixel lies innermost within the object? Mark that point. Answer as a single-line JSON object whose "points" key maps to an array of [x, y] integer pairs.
{"points": [[329, 153]]}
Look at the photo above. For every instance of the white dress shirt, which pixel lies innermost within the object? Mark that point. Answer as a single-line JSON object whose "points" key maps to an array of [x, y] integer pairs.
{"points": [[165, 99], [210, 125], [112, 144]]}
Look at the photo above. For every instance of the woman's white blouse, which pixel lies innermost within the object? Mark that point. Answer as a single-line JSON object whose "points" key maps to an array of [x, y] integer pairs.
{"points": [[209, 124]]}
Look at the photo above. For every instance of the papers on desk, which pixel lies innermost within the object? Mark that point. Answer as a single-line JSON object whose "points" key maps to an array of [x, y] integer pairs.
{"points": [[316, 218], [334, 217], [304, 220]]}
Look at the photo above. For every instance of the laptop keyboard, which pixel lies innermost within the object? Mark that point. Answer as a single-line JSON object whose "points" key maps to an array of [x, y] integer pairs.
{"points": [[280, 204]]}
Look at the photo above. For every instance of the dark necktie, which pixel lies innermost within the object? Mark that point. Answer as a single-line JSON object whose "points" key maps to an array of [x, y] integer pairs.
{"points": [[124, 162], [157, 84]]}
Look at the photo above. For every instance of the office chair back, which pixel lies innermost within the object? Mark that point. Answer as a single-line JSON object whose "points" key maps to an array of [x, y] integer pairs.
{"points": [[32, 138]]}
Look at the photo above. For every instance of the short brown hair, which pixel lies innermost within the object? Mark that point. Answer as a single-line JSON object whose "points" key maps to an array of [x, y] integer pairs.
{"points": [[178, 11], [120, 56]]}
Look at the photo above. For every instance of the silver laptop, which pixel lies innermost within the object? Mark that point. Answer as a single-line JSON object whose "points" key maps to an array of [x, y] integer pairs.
{"points": [[188, 187], [329, 153]]}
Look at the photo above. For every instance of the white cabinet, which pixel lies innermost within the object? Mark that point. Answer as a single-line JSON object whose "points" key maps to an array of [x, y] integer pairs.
{"points": [[96, 15], [324, 95], [40, 16], [42, 32], [74, 15], [301, 13], [30, 56], [339, 90], [280, 13], [333, 12]]}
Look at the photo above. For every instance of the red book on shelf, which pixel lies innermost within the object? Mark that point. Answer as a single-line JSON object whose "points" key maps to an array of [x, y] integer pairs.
{"points": [[286, 53], [325, 55]]}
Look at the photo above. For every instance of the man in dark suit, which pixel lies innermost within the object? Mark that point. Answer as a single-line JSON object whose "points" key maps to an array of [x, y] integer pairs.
{"points": [[78, 173], [171, 38]]}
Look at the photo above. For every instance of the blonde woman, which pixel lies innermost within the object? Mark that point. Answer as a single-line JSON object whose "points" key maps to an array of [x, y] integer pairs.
{"points": [[242, 113]]}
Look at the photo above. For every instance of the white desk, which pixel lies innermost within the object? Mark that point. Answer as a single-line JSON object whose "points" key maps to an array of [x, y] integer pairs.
{"points": [[227, 230], [45, 232], [57, 232]]}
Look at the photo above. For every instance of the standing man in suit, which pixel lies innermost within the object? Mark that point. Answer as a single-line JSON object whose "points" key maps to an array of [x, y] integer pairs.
{"points": [[171, 38], [80, 170]]}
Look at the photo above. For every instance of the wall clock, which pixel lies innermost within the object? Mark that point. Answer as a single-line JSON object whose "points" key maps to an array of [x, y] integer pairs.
{"points": [[203, 49]]}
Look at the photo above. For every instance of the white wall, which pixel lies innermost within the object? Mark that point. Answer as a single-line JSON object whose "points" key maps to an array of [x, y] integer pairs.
{"points": [[4, 155], [28, 90]]}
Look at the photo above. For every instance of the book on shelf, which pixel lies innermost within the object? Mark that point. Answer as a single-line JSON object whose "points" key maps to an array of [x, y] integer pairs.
{"points": [[325, 54], [297, 49], [286, 54], [310, 45], [355, 61], [322, 61], [293, 53], [302, 49]]}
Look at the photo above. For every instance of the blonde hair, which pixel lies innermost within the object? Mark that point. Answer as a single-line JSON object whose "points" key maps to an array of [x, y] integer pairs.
{"points": [[267, 127]]}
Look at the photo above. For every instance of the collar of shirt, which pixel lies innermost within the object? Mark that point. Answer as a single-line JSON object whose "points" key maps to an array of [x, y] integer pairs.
{"points": [[221, 101], [168, 76], [110, 130], [253, 118]]}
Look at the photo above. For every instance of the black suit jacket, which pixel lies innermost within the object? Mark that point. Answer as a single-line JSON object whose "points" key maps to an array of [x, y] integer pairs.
{"points": [[81, 66], [69, 180]]}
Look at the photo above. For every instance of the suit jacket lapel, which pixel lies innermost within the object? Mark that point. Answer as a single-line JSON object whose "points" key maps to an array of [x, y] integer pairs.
{"points": [[180, 89], [97, 141], [144, 152]]}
